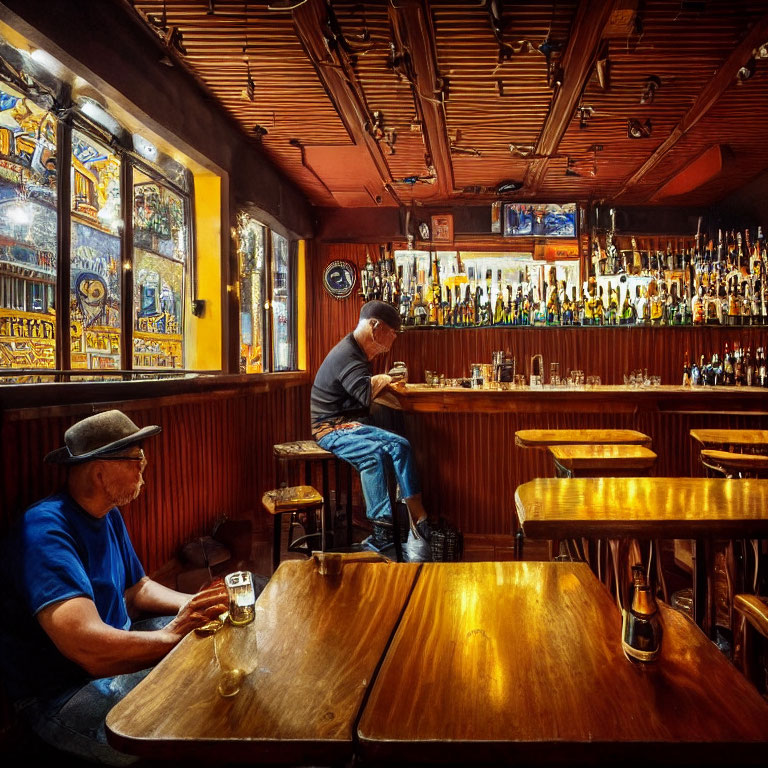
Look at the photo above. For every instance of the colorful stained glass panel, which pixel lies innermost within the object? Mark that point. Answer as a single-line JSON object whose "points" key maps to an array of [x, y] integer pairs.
{"points": [[95, 267], [160, 238], [27, 233]]}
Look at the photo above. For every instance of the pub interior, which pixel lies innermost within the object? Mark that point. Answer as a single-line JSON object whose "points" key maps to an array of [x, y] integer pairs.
{"points": [[564, 202]]}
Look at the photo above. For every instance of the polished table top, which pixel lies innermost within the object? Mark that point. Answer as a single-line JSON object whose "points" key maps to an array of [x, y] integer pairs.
{"points": [[543, 438], [514, 659], [522, 661], [753, 437], [315, 645], [663, 507]]}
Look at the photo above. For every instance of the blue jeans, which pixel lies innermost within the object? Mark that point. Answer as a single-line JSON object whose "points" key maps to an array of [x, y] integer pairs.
{"points": [[372, 451], [73, 721]]}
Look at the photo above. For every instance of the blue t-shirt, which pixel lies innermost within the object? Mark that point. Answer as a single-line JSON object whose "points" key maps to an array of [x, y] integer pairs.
{"points": [[58, 551]]}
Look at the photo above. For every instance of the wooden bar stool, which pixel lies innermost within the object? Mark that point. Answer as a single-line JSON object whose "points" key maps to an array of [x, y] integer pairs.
{"points": [[600, 460], [618, 460], [309, 452], [294, 500], [735, 465]]}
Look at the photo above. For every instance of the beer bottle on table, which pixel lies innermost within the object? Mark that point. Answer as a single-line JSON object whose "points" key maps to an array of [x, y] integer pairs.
{"points": [[641, 630]]}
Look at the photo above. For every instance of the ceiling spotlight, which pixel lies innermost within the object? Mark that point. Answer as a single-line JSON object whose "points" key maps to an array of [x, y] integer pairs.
{"points": [[503, 187], [652, 84], [584, 114], [638, 130], [746, 71]]}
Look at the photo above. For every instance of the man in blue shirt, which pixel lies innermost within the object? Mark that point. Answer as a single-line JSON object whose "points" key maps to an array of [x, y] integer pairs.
{"points": [[71, 585]]}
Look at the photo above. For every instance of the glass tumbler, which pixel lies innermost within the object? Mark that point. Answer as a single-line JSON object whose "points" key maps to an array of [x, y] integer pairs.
{"points": [[242, 598]]}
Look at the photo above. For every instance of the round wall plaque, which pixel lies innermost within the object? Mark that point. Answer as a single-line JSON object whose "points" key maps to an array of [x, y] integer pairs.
{"points": [[339, 279]]}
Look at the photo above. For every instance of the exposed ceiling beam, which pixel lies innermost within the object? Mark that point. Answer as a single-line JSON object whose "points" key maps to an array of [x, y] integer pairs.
{"points": [[711, 93], [412, 28], [578, 61], [340, 82]]}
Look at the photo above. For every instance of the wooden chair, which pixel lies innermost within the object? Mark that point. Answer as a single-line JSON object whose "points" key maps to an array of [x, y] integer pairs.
{"points": [[611, 559], [295, 501], [753, 611], [733, 465], [310, 453]]}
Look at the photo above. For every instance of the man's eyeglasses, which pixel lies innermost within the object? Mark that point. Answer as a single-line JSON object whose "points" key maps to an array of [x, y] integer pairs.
{"points": [[122, 457]]}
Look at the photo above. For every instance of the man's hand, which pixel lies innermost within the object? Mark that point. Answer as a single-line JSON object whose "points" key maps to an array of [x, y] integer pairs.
{"points": [[207, 604], [379, 383]]}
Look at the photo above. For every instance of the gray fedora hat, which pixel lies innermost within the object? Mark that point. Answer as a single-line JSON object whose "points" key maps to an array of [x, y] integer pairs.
{"points": [[98, 435]]}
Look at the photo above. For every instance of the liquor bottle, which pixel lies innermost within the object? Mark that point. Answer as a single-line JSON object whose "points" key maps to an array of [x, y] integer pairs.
{"points": [[578, 308], [761, 368], [697, 306], [686, 372], [727, 367], [641, 630], [613, 306], [696, 373], [628, 312], [749, 369], [567, 307]]}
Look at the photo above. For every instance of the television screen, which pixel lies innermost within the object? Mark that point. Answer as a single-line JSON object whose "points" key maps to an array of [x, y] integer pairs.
{"points": [[539, 219]]}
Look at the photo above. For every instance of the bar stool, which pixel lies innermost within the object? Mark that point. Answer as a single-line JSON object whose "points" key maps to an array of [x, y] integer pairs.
{"points": [[294, 501], [601, 460], [310, 452], [734, 465]]}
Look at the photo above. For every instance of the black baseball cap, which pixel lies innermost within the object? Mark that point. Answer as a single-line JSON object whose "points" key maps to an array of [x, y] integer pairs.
{"points": [[380, 310]]}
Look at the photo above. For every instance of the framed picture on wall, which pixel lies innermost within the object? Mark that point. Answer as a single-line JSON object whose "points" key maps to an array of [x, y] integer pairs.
{"points": [[442, 228], [539, 220]]}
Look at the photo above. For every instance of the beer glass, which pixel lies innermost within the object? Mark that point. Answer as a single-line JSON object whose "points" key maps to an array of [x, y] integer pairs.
{"points": [[241, 597]]}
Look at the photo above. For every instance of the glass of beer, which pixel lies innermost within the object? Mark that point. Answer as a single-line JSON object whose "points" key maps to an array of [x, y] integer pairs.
{"points": [[241, 597]]}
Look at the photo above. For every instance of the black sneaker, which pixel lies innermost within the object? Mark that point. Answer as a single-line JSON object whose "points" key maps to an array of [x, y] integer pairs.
{"points": [[417, 549]]}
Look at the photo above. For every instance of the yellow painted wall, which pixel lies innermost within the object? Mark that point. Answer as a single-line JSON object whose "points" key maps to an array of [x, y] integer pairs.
{"points": [[203, 349], [301, 307]]}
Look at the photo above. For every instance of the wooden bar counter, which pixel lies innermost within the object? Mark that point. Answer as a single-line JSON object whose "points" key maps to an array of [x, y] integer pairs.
{"points": [[470, 467]]}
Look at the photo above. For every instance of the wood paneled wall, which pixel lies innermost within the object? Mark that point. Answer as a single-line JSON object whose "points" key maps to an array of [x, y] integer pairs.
{"points": [[212, 459]]}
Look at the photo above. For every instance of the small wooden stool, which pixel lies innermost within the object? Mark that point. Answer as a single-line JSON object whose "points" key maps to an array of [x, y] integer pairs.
{"points": [[292, 500], [599, 460], [309, 452], [738, 465]]}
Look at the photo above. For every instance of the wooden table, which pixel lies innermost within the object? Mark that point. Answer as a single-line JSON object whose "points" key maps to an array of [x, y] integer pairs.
{"points": [[447, 663], [317, 642], [602, 460], [645, 508], [752, 439], [521, 662], [544, 438]]}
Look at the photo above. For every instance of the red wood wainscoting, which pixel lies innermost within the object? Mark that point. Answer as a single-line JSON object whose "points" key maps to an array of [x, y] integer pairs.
{"points": [[212, 459]]}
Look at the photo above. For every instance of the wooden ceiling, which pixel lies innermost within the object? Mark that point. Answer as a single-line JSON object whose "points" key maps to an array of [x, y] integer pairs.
{"points": [[440, 101]]}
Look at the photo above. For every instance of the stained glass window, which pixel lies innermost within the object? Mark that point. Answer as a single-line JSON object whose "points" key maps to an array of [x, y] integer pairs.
{"points": [[95, 272], [282, 338], [161, 249], [251, 238], [27, 233]]}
